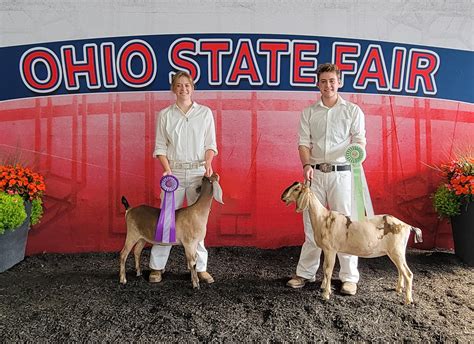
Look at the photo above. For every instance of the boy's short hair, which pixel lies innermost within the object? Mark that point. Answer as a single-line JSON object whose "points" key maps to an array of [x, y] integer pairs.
{"points": [[178, 75], [328, 67]]}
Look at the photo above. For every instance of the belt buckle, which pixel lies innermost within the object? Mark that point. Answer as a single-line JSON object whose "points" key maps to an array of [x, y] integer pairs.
{"points": [[325, 167], [185, 165]]}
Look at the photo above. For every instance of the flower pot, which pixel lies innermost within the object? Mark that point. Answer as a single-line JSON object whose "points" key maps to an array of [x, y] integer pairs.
{"points": [[463, 234], [13, 243]]}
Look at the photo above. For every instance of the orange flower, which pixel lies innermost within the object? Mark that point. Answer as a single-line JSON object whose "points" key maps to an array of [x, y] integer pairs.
{"points": [[22, 181]]}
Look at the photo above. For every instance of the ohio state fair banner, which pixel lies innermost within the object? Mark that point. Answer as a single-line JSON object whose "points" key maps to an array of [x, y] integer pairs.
{"points": [[233, 62]]}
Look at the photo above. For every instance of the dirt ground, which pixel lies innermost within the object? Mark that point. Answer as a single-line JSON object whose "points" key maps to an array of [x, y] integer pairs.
{"points": [[77, 298]]}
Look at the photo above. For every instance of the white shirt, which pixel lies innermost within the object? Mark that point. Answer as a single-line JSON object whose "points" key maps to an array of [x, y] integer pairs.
{"points": [[185, 137], [328, 131]]}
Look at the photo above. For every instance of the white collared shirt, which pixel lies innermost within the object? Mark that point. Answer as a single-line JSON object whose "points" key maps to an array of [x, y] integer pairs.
{"points": [[328, 131], [185, 137]]}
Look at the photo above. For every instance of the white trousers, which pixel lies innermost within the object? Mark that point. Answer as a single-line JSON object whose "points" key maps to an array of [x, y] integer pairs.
{"points": [[333, 190], [189, 180]]}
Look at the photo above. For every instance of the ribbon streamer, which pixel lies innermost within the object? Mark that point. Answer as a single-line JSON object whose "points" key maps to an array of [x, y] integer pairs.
{"points": [[361, 205], [165, 227]]}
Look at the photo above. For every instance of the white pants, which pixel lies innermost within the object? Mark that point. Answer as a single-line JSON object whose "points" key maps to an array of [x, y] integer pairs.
{"points": [[189, 180], [334, 190]]}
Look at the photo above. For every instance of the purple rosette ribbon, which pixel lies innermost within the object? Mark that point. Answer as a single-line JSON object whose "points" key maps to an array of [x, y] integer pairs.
{"points": [[165, 228]]}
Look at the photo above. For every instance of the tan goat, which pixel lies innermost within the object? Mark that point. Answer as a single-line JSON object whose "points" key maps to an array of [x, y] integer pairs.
{"points": [[191, 225], [334, 232]]}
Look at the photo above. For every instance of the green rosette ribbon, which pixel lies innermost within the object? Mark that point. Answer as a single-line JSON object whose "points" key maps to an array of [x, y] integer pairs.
{"points": [[361, 205]]}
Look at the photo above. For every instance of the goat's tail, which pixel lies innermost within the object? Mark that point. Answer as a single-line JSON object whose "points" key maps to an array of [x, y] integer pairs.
{"points": [[418, 237], [125, 203]]}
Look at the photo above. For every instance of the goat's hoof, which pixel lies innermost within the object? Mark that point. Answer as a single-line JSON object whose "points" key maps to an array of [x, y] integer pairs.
{"points": [[326, 296], [196, 283], [123, 281], [139, 273]]}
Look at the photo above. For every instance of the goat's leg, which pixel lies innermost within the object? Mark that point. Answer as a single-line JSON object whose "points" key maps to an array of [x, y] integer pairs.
{"points": [[409, 283], [323, 283], [328, 266], [191, 257], [399, 260], [400, 281], [137, 251], [123, 258]]}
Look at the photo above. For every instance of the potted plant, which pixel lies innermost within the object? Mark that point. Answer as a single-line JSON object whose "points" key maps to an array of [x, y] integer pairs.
{"points": [[21, 192], [453, 200]]}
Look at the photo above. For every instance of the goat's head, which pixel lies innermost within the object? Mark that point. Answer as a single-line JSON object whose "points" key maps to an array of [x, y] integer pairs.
{"points": [[213, 183], [298, 193]]}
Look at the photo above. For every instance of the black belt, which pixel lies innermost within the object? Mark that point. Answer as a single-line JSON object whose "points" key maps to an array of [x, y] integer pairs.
{"points": [[325, 167]]}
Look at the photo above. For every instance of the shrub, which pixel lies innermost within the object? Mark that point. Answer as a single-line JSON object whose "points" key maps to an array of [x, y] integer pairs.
{"points": [[36, 211], [445, 202], [12, 212], [18, 182]]}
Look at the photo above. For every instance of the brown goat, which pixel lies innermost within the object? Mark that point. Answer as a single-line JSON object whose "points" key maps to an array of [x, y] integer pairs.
{"points": [[190, 222]]}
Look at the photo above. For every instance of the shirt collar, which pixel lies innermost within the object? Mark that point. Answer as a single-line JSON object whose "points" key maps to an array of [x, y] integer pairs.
{"points": [[340, 101], [192, 106]]}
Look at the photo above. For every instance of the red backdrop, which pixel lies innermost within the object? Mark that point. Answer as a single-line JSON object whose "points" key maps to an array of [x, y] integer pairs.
{"points": [[93, 149]]}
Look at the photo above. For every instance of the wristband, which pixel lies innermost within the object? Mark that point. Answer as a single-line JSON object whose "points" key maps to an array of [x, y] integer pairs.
{"points": [[306, 165]]}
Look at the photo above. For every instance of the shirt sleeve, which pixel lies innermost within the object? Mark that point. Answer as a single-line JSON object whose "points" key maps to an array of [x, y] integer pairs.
{"points": [[210, 134], [304, 129], [161, 148], [358, 127]]}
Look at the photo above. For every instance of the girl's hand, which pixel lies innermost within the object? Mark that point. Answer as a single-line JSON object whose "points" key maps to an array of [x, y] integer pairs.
{"points": [[208, 167]]}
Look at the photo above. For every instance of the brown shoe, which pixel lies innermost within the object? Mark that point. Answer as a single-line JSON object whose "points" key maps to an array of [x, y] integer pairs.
{"points": [[205, 276], [349, 288], [299, 282], [155, 276]]}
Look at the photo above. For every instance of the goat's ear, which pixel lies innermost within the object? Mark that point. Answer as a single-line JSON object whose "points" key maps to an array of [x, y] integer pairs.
{"points": [[302, 201], [217, 192]]}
